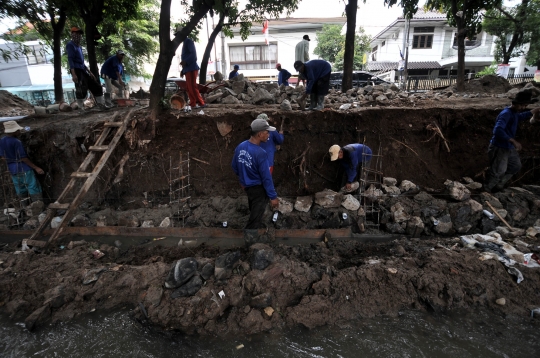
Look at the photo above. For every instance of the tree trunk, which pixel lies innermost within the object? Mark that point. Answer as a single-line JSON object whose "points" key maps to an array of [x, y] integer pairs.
{"points": [[58, 28], [167, 49], [461, 34], [208, 49], [91, 47], [348, 56]]}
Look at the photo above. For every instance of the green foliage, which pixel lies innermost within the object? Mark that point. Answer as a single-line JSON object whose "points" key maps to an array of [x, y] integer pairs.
{"points": [[331, 46], [533, 22], [489, 70]]}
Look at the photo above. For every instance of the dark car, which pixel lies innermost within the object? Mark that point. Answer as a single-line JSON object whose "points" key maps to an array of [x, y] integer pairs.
{"points": [[360, 79]]}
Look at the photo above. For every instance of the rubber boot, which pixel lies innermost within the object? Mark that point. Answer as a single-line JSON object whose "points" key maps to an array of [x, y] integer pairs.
{"points": [[101, 103], [312, 101], [108, 101], [320, 103], [500, 185], [80, 103]]}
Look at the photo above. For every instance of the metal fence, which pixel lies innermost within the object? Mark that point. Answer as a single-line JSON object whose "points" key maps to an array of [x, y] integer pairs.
{"points": [[427, 83]]}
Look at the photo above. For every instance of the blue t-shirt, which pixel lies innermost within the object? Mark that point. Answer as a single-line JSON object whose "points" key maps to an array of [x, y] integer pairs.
{"points": [[189, 56], [111, 66], [357, 153], [270, 145], [233, 74], [12, 149], [283, 77], [250, 164], [315, 69], [506, 127], [75, 56]]}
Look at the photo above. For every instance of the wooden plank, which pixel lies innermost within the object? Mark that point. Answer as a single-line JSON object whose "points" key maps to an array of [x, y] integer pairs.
{"points": [[89, 181], [113, 124], [98, 148], [80, 175], [59, 206]]}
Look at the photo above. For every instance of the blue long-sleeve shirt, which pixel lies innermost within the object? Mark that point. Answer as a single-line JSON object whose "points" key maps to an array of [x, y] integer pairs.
{"points": [[75, 56], [506, 127], [283, 77], [357, 153], [233, 74], [111, 67], [270, 145], [250, 164], [13, 151], [315, 69], [189, 56]]}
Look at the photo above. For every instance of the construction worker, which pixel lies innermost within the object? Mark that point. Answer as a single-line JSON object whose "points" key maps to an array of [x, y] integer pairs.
{"points": [[191, 70], [111, 72], [301, 53], [272, 144], [250, 164], [352, 157], [20, 167], [234, 72], [283, 76], [503, 149], [80, 74], [317, 74]]}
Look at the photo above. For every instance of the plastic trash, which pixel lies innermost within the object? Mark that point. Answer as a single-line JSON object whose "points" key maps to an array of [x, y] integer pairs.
{"points": [[98, 254], [224, 224], [345, 106], [27, 129], [515, 272], [221, 294], [344, 216], [201, 112], [187, 109], [488, 214], [531, 260], [24, 246], [274, 218], [240, 346]]}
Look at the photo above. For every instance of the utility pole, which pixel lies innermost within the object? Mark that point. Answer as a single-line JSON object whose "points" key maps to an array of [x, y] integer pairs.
{"points": [[223, 61], [406, 68]]}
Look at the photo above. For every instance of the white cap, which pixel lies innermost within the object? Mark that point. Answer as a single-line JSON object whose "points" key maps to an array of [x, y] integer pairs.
{"points": [[11, 127], [334, 152]]}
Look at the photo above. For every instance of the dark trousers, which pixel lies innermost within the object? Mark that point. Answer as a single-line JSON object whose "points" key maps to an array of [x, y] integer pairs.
{"points": [[257, 200], [321, 86], [85, 83], [503, 164]]}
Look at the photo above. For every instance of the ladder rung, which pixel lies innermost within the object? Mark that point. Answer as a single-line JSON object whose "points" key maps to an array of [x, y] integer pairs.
{"points": [[113, 124], [58, 206], [99, 148], [80, 175]]}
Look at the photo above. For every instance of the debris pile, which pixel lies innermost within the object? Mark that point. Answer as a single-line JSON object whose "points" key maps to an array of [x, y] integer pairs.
{"points": [[12, 106]]}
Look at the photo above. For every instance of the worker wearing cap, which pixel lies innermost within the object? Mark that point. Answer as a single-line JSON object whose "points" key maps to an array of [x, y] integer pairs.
{"points": [[188, 60], [283, 76], [352, 158], [20, 167], [111, 72], [80, 74], [250, 164], [234, 72], [317, 74], [301, 53], [503, 148], [271, 146]]}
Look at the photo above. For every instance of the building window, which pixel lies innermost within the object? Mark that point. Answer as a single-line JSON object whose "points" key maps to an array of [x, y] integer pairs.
{"points": [[422, 41], [383, 43], [36, 55], [469, 41], [374, 53], [424, 30], [253, 57]]}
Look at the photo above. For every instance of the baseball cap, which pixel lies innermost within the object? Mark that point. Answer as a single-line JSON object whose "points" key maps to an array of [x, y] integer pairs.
{"points": [[261, 124], [306, 37], [297, 65], [76, 29], [334, 152], [236, 67], [120, 52], [12, 127]]}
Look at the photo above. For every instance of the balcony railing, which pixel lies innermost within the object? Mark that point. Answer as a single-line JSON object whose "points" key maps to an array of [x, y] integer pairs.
{"points": [[427, 83]]}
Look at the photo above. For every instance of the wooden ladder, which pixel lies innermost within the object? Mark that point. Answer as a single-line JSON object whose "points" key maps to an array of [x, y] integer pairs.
{"points": [[81, 173]]}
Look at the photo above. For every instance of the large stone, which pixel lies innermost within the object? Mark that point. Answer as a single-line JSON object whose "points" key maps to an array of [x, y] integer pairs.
{"points": [[230, 100], [180, 272], [457, 190], [303, 203], [80, 221], [415, 226], [56, 297], [350, 203], [129, 221], [261, 301], [391, 190], [372, 194], [381, 98], [148, 223], [189, 288], [31, 224], [261, 96], [406, 185], [225, 264], [213, 97], [285, 105], [443, 225], [261, 256], [35, 208], [250, 91], [166, 222], [398, 213], [285, 207], [328, 198], [389, 181], [207, 271], [238, 86]]}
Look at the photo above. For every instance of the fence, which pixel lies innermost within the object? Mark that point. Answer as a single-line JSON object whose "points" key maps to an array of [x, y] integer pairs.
{"points": [[426, 83]]}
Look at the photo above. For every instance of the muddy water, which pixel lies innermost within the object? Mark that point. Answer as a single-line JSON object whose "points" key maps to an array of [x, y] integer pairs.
{"points": [[412, 334]]}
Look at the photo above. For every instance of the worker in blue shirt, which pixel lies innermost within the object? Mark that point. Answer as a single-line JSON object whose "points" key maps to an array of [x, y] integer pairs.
{"points": [[353, 158], [80, 74], [234, 72], [272, 144], [111, 72], [283, 76], [250, 164], [190, 68], [20, 167], [503, 149], [317, 74]]}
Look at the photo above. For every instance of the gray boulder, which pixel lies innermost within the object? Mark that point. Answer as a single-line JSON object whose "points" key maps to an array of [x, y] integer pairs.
{"points": [[230, 100], [328, 198], [457, 190], [261, 256], [189, 288], [225, 264], [181, 271], [285, 105], [303, 203], [238, 86], [261, 96], [207, 271]]}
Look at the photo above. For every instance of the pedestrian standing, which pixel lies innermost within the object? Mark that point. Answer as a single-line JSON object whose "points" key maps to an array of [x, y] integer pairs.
{"points": [[250, 164], [353, 158], [191, 70], [317, 74], [301, 53], [283, 75], [234, 72], [111, 72], [503, 149], [272, 144], [80, 74], [20, 167]]}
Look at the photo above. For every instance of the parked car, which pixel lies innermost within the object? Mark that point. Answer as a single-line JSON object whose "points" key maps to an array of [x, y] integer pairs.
{"points": [[360, 79]]}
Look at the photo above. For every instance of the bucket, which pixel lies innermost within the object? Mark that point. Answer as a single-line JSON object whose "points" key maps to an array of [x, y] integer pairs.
{"points": [[177, 101]]}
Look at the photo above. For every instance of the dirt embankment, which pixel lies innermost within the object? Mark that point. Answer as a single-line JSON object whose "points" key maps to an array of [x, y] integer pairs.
{"points": [[319, 284]]}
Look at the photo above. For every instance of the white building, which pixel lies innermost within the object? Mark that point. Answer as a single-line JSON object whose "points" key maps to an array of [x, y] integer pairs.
{"points": [[433, 48]]}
